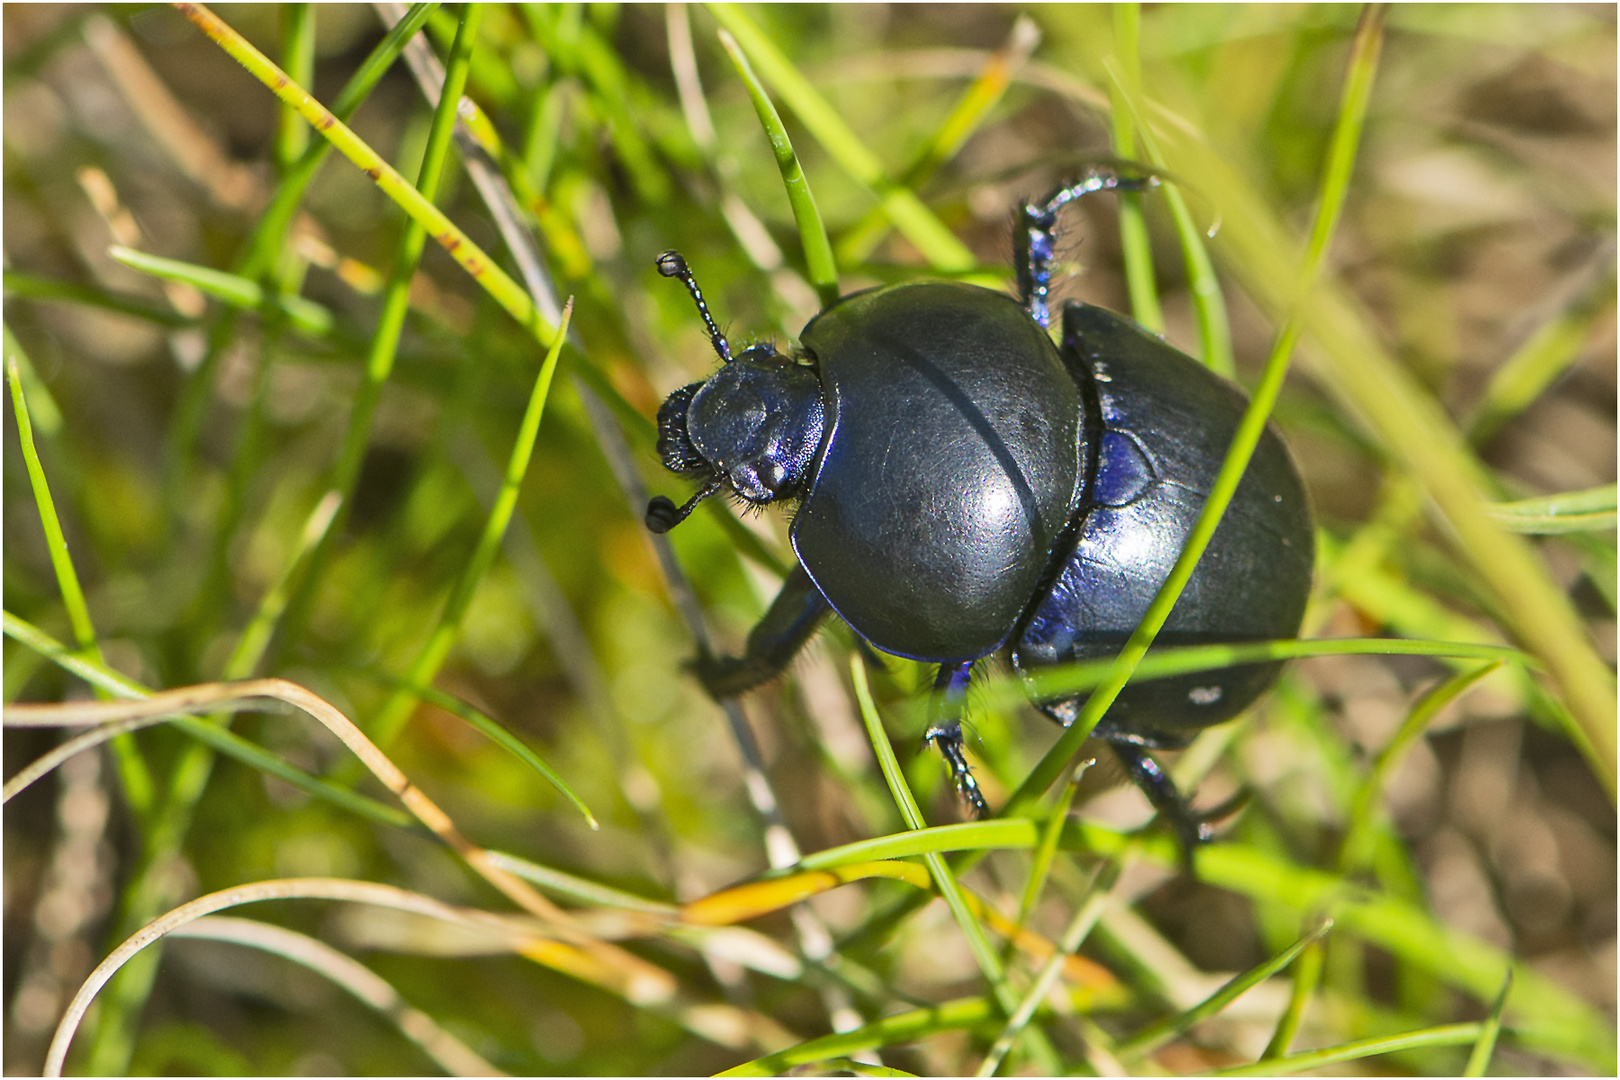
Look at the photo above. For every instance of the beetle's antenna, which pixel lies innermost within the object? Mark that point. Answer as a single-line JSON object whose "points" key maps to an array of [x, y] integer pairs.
{"points": [[673, 264], [662, 513]]}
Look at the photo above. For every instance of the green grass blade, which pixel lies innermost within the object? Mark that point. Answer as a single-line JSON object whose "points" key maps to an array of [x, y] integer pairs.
{"points": [[473, 260], [1355, 850], [967, 836], [298, 51], [818, 255], [1307, 976], [970, 111], [34, 287], [1135, 246], [305, 316], [578, 889], [905, 1028], [497, 734], [1447, 1035], [139, 787], [397, 709], [67, 578], [944, 878], [1203, 286], [938, 245], [1479, 1059], [1551, 351], [1041, 865], [97, 674], [1592, 510], [1156, 1035]]}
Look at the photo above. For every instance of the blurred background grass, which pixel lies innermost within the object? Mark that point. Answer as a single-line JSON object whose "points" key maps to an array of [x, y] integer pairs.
{"points": [[1478, 238]]}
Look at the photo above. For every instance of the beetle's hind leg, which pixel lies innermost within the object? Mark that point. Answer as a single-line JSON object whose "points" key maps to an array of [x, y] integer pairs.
{"points": [[945, 731], [1035, 237], [787, 625], [1192, 829]]}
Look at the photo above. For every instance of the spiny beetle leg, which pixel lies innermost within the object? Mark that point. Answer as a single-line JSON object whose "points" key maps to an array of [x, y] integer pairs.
{"points": [[1035, 236], [790, 622], [1192, 829], [945, 732]]}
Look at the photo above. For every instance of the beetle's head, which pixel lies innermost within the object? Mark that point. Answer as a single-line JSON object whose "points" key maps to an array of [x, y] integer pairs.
{"points": [[752, 427]]}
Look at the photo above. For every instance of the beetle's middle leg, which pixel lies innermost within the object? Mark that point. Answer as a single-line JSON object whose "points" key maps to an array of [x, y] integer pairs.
{"points": [[1191, 829], [787, 625], [945, 731], [1035, 237]]}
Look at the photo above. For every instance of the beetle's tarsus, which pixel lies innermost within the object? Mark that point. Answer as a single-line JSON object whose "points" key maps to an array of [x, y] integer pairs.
{"points": [[948, 739], [730, 676]]}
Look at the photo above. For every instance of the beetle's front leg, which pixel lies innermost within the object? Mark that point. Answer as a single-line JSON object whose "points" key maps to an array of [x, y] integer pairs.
{"points": [[775, 640], [945, 731]]}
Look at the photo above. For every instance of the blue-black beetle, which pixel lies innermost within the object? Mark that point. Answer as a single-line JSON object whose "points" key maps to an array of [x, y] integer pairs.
{"points": [[965, 485]]}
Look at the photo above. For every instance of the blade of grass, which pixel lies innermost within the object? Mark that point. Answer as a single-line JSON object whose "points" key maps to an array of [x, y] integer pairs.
{"points": [[1592, 510], [1479, 1059], [67, 578], [944, 879], [1085, 917], [390, 324], [133, 772], [903, 1028], [1136, 247], [1447, 1035], [298, 50], [971, 110], [1355, 849], [818, 255], [100, 677], [497, 734], [1050, 834], [1552, 350], [1307, 976], [305, 316], [938, 246], [398, 707], [506, 292], [1153, 1036], [1209, 303], [34, 287]]}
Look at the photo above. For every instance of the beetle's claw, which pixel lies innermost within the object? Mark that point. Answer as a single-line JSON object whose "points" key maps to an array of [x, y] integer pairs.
{"points": [[947, 737]]}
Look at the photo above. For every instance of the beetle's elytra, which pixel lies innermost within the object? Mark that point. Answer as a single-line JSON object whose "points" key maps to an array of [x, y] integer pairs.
{"points": [[965, 485]]}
